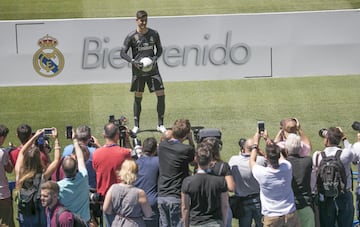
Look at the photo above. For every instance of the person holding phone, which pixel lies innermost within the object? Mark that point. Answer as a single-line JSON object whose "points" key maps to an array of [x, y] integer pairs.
{"points": [[292, 125], [83, 133], [275, 181]]}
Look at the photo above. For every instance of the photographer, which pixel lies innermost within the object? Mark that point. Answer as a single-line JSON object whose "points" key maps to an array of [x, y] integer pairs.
{"points": [[275, 185], [147, 177], [356, 161], [174, 157], [72, 187], [338, 209], [84, 137], [292, 125], [107, 160], [247, 190], [29, 173]]}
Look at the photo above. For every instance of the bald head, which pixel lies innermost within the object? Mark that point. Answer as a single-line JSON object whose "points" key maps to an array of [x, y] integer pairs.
{"points": [[247, 147], [69, 166]]}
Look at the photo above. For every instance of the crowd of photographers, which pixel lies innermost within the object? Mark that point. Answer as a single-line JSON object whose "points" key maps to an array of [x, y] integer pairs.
{"points": [[178, 179]]}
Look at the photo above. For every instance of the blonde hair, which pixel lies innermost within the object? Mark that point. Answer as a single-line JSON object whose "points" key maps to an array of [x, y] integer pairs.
{"points": [[128, 172]]}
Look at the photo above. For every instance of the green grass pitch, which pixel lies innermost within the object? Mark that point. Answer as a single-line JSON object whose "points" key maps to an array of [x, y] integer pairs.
{"points": [[232, 106]]}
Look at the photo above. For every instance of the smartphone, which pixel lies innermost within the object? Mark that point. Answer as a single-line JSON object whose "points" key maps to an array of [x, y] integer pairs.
{"points": [[261, 126], [69, 132], [48, 131], [111, 118]]}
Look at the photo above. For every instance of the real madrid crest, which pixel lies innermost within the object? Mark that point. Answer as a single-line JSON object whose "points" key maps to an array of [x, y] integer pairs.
{"points": [[48, 61]]}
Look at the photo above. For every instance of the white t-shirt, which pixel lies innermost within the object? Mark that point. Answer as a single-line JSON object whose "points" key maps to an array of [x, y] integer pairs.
{"points": [[346, 158], [276, 194]]}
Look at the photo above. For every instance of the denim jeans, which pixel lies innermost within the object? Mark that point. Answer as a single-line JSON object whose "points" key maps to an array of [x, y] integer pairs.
{"points": [[153, 221], [170, 211], [340, 210], [108, 219], [358, 202], [36, 220], [251, 211], [217, 223]]}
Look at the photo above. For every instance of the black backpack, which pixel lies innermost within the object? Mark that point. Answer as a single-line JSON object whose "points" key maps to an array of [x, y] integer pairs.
{"points": [[331, 176], [28, 198], [78, 221]]}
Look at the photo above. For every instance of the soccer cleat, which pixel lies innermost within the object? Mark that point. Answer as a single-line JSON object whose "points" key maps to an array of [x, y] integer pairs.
{"points": [[135, 129], [161, 128]]}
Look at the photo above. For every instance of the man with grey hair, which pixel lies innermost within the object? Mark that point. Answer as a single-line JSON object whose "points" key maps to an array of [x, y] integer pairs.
{"points": [[302, 167]]}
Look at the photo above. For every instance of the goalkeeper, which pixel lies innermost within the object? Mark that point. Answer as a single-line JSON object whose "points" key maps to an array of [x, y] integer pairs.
{"points": [[144, 42]]}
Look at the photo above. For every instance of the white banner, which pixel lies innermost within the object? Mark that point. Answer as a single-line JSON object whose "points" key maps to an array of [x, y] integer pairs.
{"points": [[214, 47]]}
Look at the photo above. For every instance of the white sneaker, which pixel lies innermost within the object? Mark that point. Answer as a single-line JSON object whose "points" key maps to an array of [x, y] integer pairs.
{"points": [[161, 128], [135, 129]]}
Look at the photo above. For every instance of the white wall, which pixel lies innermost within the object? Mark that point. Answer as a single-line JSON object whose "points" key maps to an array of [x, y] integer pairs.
{"points": [[244, 45]]}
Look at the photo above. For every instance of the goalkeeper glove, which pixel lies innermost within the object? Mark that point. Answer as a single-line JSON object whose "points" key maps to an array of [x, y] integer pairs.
{"points": [[137, 63]]}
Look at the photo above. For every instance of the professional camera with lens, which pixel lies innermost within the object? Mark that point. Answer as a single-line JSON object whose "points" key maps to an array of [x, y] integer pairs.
{"points": [[94, 197], [95, 205], [91, 143], [356, 126], [323, 132], [203, 133], [121, 123]]}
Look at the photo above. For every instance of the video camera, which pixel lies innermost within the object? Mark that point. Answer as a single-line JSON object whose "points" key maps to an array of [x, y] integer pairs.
{"points": [[121, 122], [201, 134]]}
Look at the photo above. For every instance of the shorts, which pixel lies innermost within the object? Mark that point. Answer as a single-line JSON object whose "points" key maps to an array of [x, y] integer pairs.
{"points": [[288, 220], [153, 82]]}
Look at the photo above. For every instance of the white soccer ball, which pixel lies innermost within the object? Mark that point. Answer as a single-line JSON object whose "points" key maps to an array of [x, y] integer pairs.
{"points": [[147, 64]]}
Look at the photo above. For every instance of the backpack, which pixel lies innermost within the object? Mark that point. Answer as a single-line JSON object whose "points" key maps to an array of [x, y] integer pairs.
{"points": [[78, 221], [331, 176], [28, 198]]}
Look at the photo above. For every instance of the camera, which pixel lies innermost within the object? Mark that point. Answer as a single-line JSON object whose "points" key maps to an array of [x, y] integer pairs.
{"points": [[119, 123], [69, 132], [94, 197], [43, 142], [48, 131], [91, 143], [323, 132], [356, 126], [203, 133], [261, 126]]}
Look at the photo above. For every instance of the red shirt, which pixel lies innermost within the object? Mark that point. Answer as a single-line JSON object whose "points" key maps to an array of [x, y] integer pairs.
{"points": [[106, 161], [14, 155]]}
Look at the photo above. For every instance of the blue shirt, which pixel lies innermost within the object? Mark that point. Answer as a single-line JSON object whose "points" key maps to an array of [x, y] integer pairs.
{"points": [[148, 177], [74, 194], [91, 172]]}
